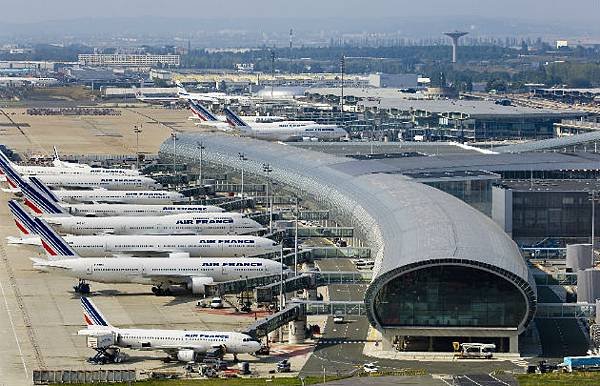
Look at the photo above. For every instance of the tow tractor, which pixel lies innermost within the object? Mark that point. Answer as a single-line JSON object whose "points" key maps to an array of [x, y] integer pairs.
{"points": [[82, 287]]}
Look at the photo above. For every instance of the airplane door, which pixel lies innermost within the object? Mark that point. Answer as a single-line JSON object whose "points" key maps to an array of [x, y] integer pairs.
{"points": [[89, 270]]}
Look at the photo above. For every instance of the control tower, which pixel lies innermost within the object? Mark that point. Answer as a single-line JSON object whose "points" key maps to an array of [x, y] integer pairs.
{"points": [[455, 36]]}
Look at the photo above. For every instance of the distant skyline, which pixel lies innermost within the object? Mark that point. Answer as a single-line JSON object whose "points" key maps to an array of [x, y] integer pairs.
{"points": [[33, 11]]}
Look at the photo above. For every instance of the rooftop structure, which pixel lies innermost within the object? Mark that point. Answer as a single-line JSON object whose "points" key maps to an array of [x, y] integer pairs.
{"points": [[455, 36], [443, 270]]}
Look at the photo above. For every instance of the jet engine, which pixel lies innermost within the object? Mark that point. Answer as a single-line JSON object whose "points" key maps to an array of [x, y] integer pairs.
{"points": [[196, 284]]}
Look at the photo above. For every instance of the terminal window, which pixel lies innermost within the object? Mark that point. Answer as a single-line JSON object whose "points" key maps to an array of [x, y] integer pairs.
{"points": [[450, 296]]}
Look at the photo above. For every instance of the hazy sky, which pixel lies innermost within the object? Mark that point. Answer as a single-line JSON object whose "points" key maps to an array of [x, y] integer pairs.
{"points": [[569, 11]]}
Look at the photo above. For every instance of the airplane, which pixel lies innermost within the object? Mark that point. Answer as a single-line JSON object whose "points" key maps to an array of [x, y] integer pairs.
{"points": [[160, 272], [47, 203], [206, 117], [182, 345], [161, 100], [153, 245], [61, 167], [98, 181], [285, 131], [74, 180]]}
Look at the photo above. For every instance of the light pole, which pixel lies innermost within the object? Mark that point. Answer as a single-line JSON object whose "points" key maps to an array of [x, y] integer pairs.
{"points": [[201, 148], [174, 136], [137, 131], [281, 298], [267, 169], [242, 158], [296, 238]]}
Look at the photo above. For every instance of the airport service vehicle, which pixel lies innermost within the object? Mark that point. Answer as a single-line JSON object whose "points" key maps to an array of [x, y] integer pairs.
{"points": [[285, 130], [147, 245], [65, 168], [364, 264], [284, 366], [182, 345], [477, 350], [216, 303], [161, 273], [581, 363], [46, 203], [338, 319], [370, 368]]}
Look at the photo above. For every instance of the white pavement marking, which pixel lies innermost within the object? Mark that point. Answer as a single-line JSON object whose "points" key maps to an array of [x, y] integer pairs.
{"points": [[498, 379], [477, 383], [12, 325]]}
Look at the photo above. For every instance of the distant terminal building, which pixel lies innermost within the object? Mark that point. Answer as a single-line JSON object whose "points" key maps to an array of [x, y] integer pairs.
{"points": [[422, 116], [129, 60], [568, 127], [568, 95]]}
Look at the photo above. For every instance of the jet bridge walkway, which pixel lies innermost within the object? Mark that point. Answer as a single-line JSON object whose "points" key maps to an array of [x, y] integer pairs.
{"points": [[300, 308]]}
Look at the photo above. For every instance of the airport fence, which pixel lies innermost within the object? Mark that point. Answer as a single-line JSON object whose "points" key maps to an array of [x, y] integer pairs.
{"points": [[46, 377]]}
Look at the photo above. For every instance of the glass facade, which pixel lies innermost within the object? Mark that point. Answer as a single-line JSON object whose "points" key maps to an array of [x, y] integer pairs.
{"points": [[450, 296], [551, 214]]}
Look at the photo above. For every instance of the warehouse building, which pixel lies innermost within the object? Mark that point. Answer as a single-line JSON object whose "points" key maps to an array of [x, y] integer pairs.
{"points": [[443, 270]]}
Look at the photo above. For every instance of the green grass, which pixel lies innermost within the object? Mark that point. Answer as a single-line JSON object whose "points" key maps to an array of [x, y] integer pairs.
{"points": [[219, 381], [559, 379]]}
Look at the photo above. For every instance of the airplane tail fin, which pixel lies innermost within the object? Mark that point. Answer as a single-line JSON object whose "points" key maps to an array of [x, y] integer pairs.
{"points": [[43, 188], [234, 120], [92, 315], [181, 91], [13, 178], [202, 112], [25, 222], [55, 246], [39, 202]]}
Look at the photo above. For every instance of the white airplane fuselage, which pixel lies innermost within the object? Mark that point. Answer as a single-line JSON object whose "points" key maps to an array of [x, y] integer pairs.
{"points": [[176, 224], [98, 181], [162, 271], [163, 245], [174, 340], [124, 197], [104, 210]]}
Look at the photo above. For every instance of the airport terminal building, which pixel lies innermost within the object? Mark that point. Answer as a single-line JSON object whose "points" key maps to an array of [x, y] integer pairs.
{"points": [[443, 271]]}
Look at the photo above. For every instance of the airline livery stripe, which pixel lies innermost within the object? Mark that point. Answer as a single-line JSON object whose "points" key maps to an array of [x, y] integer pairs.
{"points": [[234, 119], [53, 239], [92, 312], [21, 215]]}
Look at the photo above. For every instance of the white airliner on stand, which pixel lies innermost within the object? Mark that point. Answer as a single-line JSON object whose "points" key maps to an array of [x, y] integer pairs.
{"points": [[182, 345], [161, 273], [143, 245]]}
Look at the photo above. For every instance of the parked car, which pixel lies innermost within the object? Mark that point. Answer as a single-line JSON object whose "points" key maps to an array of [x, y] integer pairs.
{"points": [[216, 303], [370, 368]]}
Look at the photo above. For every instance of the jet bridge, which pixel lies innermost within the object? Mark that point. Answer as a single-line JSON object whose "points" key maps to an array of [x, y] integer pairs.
{"points": [[264, 326]]}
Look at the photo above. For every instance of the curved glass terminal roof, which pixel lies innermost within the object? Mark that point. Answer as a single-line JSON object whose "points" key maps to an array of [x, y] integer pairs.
{"points": [[406, 223]]}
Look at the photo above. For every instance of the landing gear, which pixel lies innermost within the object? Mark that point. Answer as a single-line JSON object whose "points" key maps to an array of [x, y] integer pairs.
{"points": [[235, 358], [82, 287], [107, 355], [159, 291]]}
